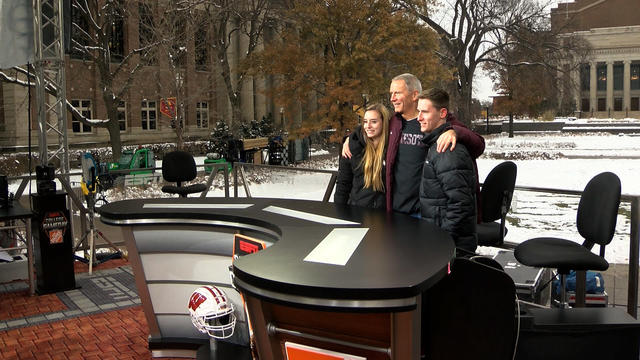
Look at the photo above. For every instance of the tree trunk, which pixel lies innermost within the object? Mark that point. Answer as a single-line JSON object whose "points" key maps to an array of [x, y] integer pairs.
{"points": [[113, 126], [464, 108], [114, 135], [179, 123]]}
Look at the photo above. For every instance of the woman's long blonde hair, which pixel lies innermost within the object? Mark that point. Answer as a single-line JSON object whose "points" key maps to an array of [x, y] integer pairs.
{"points": [[374, 154]]}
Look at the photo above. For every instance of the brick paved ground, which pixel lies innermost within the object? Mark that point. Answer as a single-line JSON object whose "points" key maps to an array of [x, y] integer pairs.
{"points": [[116, 334]]}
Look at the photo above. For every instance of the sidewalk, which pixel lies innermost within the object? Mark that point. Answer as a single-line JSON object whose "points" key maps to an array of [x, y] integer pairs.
{"points": [[616, 284], [85, 323]]}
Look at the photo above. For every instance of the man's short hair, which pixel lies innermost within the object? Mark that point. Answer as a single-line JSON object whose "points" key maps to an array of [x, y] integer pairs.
{"points": [[412, 82], [439, 98]]}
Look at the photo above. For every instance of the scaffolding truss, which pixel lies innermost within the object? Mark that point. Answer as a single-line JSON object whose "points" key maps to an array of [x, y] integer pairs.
{"points": [[50, 74]]}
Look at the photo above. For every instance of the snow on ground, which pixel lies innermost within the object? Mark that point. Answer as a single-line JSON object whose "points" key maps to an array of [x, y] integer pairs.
{"points": [[544, 161]]}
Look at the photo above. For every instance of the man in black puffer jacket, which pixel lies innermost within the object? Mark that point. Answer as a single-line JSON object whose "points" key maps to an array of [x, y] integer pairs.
{"points": [[447, 188]]}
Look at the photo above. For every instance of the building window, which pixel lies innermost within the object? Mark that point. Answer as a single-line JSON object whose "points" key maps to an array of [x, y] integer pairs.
{"points": [[84, 107], [618, 76], [617, 104], [635, 76], [79, 34], [146, 30], [122, 115], [2, 122], [202, 114], [116, 40], [601, 77], [635, 103], [149, 115], [202, 51], [602, 104], [179, 42], [585, 77], [586, 106]]}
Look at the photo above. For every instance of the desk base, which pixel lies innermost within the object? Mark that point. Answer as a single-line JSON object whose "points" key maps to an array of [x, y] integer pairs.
{"points": [[222, 350], [381, 335]]}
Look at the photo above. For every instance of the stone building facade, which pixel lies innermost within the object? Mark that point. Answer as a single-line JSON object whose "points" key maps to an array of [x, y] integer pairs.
{"points": [[204, 96], [608, 84]]}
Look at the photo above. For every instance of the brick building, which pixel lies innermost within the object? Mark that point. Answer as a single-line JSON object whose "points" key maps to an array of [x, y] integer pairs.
{"points": [[204, 93], [608, 85]]}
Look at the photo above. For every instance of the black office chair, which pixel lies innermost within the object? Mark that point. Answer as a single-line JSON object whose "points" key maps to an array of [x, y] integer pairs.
{"points": [[179, 166], [596, 223], [495, 200]]}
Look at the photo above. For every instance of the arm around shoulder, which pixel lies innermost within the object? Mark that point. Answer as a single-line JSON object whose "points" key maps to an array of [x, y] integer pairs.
{"points": [[471, 139]]}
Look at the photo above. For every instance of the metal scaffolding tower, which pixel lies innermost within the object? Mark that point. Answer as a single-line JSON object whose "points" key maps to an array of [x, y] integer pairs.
{"points": [[48, 35], [50, 73]]}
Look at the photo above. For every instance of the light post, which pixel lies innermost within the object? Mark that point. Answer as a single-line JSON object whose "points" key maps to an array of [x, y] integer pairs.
{"points": [[282, 119], [487, 120]]}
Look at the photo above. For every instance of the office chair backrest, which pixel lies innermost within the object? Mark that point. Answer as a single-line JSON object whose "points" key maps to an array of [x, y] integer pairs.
{"points": [[499, 184], [178, 166], [598, 209]]}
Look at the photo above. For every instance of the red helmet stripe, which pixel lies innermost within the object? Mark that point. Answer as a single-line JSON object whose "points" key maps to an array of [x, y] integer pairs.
{"points": [[216, 296]]}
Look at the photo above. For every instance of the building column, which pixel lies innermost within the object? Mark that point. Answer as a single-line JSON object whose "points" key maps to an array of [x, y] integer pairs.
{"points": [[576, 89], [609, 87], [259, 88], [626, 87], [593, 83]]}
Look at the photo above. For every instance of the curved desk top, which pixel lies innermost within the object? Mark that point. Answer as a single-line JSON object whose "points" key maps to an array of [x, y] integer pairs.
{"points": [[388, 259]]}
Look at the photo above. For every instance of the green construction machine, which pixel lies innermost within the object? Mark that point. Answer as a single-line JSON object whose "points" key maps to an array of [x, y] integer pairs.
{"points": [[140, 162]]}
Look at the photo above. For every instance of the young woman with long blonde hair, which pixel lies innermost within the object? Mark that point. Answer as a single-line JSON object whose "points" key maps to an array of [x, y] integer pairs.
{"points": [[361, 178]]}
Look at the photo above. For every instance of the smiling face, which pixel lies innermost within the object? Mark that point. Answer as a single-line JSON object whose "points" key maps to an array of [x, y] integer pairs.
{"points": [[403, 100], [429, 116], [372, 124]]}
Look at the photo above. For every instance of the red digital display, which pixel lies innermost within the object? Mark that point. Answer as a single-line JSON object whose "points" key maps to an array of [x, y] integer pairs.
{"points": [[243, 245]]}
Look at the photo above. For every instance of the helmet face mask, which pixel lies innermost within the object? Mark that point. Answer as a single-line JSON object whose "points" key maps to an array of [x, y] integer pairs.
{"points": [[212, 312]]}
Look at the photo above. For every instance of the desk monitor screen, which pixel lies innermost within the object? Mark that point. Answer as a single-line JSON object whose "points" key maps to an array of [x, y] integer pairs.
{"points": [[296, 351], [243, 245]]}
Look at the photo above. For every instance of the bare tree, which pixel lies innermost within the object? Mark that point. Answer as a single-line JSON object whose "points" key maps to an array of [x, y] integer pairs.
{"points": [[478, 30], [94, 26], [97, 37], [179, 29], [534, 68], [230, 20], [13, 76]]}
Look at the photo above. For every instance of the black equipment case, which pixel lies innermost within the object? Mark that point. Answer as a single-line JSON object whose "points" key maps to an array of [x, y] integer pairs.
{"points": [[532, 283]]}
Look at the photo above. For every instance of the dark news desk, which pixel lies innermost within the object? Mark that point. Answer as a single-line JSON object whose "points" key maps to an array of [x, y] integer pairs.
{"points": [[335, 277]]}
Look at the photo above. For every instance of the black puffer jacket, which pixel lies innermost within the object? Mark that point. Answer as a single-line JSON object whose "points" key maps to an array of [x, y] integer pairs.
{"points": [[447, 191], [350, 183]]}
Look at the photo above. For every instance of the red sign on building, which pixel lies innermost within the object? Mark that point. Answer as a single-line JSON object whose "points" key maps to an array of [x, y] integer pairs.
{"points": [[168, 107]]}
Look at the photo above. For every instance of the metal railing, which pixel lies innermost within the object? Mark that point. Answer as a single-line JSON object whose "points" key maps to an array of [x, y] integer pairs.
{"points": [[239, 171]]}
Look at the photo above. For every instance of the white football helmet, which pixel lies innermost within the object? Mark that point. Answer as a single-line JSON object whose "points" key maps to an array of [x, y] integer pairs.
{"points": [[212, 312]]}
